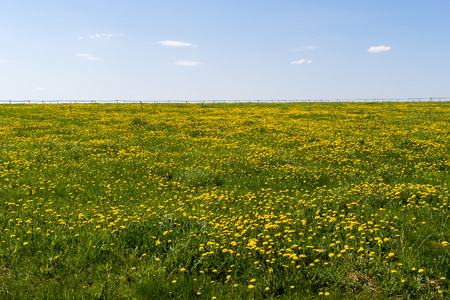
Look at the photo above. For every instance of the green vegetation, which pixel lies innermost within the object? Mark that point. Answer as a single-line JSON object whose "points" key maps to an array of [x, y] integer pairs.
{"points": [[233, 201]]}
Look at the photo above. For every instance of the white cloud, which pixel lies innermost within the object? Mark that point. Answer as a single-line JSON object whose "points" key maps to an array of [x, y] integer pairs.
{"points": [[100, 35], [305, 48], [301, 62], [40, 89], [378, 49], [96, 36], [174, 43], [87, 56], [3, 61], [187, 63]]}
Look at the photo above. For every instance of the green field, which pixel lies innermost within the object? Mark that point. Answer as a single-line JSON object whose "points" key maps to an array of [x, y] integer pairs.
{"points": [[226, 201]]}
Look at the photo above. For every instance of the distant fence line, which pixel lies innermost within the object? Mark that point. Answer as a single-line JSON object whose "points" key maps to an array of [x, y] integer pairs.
{"points": [[356, 100]]}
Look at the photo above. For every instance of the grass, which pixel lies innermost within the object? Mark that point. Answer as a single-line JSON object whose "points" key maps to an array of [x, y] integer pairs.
{"points": [[233, 201]]}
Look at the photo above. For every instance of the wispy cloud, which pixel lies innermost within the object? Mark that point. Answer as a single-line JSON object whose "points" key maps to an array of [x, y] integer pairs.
{"points": [[87, 56], [97, 36], [100, 35], [174, 43], [305, 48], [301, 62], [378, 49], [187, 63]]}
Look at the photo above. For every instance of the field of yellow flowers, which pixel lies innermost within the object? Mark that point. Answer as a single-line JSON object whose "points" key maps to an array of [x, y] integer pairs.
{"points": [[225, 201]]}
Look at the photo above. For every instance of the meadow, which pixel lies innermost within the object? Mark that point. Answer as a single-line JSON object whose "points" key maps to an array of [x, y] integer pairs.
{"points": [[225, 201]]}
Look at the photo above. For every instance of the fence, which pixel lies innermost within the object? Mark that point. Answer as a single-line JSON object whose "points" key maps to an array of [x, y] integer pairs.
{"points": [[429, 99]]}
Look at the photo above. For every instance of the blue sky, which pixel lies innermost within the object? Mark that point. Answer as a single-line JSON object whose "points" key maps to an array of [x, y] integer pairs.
{"points": [[223, 50]]}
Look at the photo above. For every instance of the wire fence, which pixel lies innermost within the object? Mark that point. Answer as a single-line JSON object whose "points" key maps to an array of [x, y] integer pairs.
{"points": [[356, 100]]}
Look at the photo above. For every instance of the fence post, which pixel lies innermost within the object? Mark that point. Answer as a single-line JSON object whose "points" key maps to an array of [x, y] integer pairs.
{"points": [[141, 106]]}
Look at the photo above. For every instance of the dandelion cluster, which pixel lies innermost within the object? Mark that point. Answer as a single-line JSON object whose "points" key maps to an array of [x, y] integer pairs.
{"points": [[218, 200]]}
